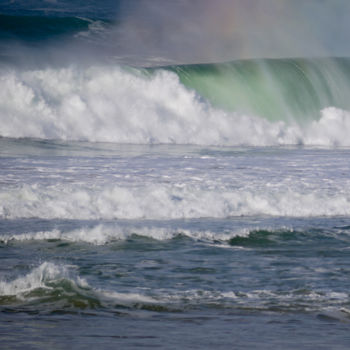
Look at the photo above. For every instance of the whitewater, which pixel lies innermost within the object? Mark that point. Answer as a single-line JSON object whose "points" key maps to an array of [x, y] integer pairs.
{"points": [[165, 186], [93, 104]]}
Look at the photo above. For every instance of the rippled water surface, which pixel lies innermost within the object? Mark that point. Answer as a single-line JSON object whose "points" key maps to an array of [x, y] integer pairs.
{"points": [[173, 246]]}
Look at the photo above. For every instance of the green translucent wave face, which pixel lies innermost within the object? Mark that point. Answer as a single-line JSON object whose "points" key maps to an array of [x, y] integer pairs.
{"points": [[276, 89]]}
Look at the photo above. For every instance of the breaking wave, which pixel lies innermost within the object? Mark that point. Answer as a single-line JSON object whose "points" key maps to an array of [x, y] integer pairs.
{"points": [[168, 202], [251, 103], [104, 234], [57, 288]]}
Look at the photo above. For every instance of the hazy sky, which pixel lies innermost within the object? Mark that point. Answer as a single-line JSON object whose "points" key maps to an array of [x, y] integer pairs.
{"points": [[210, 30], [225, 29]]}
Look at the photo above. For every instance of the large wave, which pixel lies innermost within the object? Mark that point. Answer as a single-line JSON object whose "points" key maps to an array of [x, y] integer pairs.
{"points": [[274, 102]]}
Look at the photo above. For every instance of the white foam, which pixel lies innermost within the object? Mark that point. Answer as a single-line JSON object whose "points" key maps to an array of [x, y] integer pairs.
{"points": [[102, 234], [165, 201], [127, 298], [263, 299], [308, 300], [45, 276], [48, 275], [112, 104], [331, 130], [37, 278]]}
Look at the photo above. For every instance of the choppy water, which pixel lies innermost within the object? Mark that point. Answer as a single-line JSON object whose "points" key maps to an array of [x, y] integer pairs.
{"points": [[173, 246], [150, 200]]}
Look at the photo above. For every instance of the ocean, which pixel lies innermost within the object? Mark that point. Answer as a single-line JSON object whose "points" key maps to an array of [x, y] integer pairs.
{"points": [[149, 200]]}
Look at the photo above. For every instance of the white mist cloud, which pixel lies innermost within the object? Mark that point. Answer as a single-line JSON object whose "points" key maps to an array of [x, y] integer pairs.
{"points": [[207, 30]]}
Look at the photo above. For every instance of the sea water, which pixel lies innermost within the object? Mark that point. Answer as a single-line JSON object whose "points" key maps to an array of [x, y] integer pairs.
{"points": [[143, 207]]}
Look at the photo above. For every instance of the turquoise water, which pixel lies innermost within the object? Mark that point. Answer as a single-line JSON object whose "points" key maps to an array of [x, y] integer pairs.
{"points": [[148, 200], [288, 89]]}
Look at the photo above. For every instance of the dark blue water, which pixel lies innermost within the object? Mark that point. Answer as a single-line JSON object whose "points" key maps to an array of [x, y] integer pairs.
{"points": [[62, 8], [73, 276], [134, 214]]}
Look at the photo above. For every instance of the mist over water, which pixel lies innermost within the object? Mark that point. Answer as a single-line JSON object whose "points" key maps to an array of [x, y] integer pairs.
{"points": [[155, 32], [224, 30], [174, 174]]}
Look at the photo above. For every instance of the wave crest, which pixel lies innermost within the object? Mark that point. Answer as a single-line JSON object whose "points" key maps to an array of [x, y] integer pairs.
{"points": [[111, 104], [168, 202]]}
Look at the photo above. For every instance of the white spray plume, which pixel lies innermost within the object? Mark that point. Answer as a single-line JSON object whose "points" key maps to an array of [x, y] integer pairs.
{"points": [[206, 30]]}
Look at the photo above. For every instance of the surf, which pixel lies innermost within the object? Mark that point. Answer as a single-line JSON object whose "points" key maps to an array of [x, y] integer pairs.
{"points": [[292, 89], [251, 102]]}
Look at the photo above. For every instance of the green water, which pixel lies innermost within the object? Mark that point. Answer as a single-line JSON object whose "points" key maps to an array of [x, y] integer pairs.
{"points": [[276, 89]]}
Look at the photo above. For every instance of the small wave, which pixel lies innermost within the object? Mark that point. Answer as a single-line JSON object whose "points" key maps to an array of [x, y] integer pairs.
{"points": [[165, 201], [39, 278], [104, 234], [55, 288], [58, 288], [231, 237]]}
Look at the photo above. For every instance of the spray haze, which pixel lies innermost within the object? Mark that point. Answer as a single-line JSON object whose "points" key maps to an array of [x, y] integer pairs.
{"points": [[159, 32], [79, 87], [203, 30]]}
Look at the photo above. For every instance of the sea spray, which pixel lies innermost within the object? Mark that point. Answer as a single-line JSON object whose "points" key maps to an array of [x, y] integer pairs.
{"points": [[242, 103]]}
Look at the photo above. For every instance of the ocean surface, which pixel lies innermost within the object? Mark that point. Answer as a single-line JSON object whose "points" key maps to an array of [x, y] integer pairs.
{"points": [[151, 201]]}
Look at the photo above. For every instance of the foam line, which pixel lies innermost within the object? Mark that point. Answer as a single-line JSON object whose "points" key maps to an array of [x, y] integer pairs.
{"points": [[164, 201]]}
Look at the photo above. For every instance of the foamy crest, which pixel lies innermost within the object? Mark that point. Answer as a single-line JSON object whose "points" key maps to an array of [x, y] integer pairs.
{"points": [[164, 201], [48, 277], [38, 278], [102, 234], [331, 130], [97, 235], [127, 106]]}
